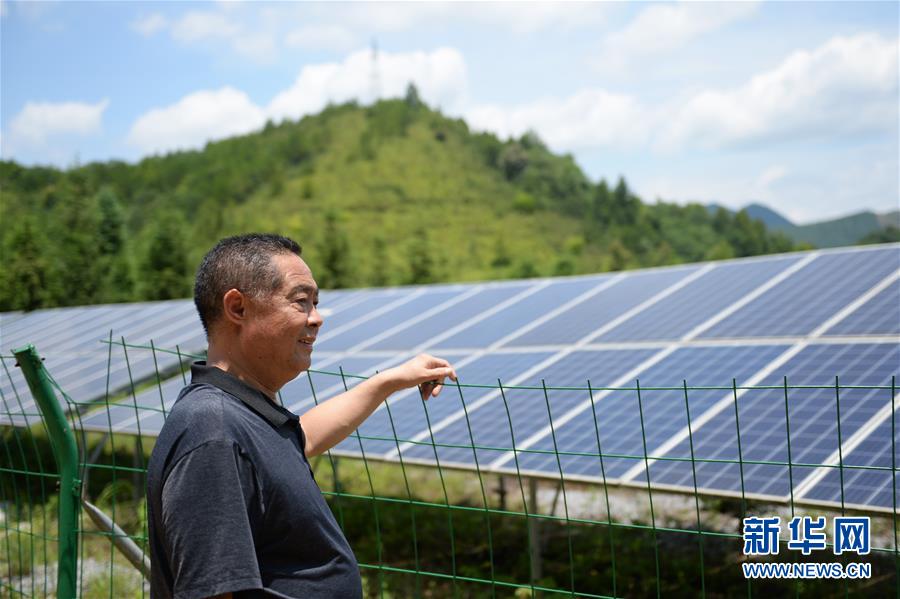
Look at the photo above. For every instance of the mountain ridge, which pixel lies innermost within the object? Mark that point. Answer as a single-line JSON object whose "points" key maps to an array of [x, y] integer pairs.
{"points": [[389, 193], [836, 232]]}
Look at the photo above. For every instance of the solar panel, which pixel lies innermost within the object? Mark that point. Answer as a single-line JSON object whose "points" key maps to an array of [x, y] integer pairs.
{"points": [[602, 308], [707, 323], [528, 408], [375, 319], [803, 302], [811, 415], [408, 410], [714, 291], [865, 487], [549, 296], [664, 413], [71, 342], [454, 316], [879, 316]]}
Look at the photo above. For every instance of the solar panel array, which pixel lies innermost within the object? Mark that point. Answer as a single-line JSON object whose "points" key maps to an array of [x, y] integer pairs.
{"points": [[809, 316]]}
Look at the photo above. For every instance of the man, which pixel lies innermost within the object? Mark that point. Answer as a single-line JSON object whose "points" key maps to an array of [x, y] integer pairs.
{"points": [[233, 508]]}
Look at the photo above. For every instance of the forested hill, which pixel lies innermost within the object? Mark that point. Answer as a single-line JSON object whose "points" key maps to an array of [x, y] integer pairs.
{"points": [[387, 194]]}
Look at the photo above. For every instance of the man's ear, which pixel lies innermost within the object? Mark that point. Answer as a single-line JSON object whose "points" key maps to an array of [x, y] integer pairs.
{"points": [[234, 306]]}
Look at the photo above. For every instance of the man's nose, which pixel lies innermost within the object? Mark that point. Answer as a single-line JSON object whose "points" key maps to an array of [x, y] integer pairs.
{"points": [[315, 318]]}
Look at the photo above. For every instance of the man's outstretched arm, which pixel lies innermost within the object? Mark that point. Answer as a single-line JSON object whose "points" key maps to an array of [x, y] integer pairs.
{"points": [[332, 421]]}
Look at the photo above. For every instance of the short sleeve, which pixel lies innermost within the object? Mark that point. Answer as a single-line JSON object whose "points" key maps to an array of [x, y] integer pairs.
{"points": [[209, 499]]}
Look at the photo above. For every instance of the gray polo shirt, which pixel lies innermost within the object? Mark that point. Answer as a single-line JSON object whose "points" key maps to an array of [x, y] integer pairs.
{"points": [[232, 504]]}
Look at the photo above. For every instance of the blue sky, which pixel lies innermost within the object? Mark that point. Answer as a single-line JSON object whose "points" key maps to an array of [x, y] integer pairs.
{"points": [[791, 104]]}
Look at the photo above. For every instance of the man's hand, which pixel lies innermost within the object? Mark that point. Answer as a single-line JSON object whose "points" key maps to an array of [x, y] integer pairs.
{"points": [[330, 422], [426, 372]]}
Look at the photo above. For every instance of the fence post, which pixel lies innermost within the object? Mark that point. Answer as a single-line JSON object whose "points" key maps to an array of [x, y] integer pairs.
{"points": [[65, 452]]}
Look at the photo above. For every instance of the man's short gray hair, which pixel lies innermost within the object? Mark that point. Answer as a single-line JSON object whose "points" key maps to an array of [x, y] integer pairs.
{"points": [[242, 262]]}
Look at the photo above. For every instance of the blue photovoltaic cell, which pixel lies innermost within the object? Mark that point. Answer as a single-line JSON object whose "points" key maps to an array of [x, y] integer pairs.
{"points": [[408, 411], [338, 314], [528, 408], [878, 316], [866, 487], [522, 313], [453, 316], [676, 315], [81, 363], [813, 420], [357, 337], [618, 414], [145, 410], [7, 318], [809, 297], [588, 316]]}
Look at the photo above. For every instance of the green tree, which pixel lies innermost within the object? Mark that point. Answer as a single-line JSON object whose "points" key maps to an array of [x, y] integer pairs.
{"points": [[336, 272], [512, 160], [564, 266], [110, 234], [26, 279], [501, 257], [412, 96], [421, 260], [625, 207], [747, 235], [619, 256], [78, 247], [888, 234], [526, 269], [164, 268], [600, 203], [114, 262], [720, 251], [381, 265]]}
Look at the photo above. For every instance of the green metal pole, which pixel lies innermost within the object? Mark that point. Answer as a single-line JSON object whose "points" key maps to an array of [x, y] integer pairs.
{"points": [[66, 454]]}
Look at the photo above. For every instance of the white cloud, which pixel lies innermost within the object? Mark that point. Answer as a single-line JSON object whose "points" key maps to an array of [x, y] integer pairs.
{"points": [[202, 25], [439, 75], [847, 86], [530, 17], [259, 47], [40, 121], [195, 119], [208, 115], [520, 17], [150, 25], [196, 27], [588, 118], [661, 28], [771, 175], [324, 37]]}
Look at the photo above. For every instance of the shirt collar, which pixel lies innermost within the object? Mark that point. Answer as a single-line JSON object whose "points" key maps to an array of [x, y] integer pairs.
{"points": [[253, 398]]}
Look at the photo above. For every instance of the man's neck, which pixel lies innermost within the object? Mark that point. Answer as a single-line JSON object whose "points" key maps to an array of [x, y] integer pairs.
{"points": [[234, 363]]}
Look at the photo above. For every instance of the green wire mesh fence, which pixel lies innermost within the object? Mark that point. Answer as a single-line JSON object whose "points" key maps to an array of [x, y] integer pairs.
{"points": [[428, 527]]}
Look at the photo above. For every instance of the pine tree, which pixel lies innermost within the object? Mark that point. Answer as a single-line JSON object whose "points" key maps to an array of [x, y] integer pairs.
{"points": [[26, 280], [336, 272], [118, 281], [421, 262], [79, 271], [164, 271], [412, 96], [381, 267], [619, 256]]}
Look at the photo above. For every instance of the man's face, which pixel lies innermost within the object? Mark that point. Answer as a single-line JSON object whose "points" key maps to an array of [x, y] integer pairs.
{"points": [[280, 329]]}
